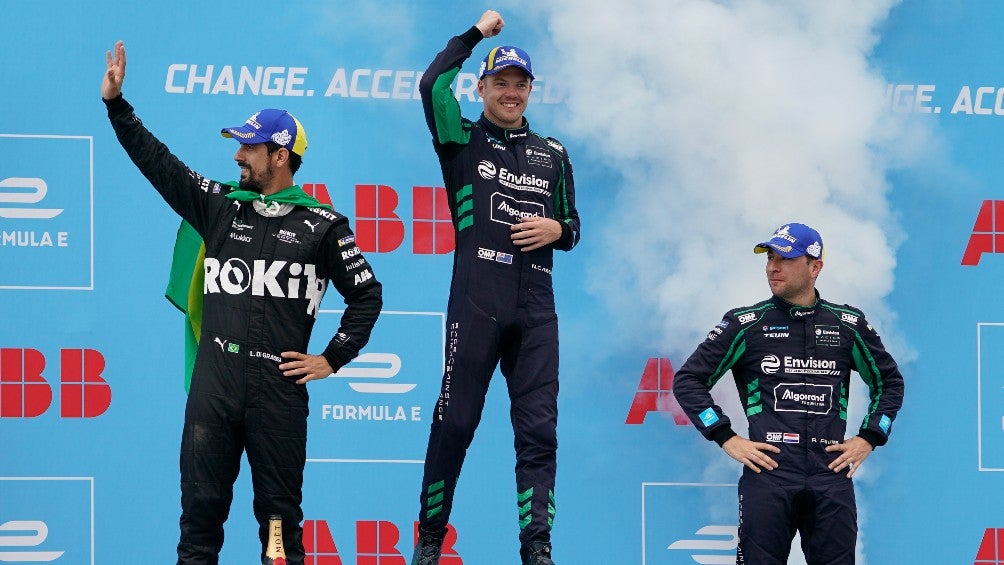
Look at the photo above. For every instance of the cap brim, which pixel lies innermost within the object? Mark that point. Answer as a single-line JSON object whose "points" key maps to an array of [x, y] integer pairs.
{"points": [[506, 66], [243, 135], [786, 251]]}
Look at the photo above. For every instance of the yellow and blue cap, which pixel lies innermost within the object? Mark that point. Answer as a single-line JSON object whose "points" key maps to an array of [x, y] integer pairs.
{"points": [[278, 126], [793, 240], [505, 56]]}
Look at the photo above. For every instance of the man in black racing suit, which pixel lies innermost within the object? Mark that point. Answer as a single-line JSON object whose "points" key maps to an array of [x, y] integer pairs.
{"points": [[512, 202], [270, 250], [791, 357]]}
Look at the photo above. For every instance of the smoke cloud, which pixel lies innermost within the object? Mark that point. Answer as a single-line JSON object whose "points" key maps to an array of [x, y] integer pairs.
{"points": [[725, 120]]}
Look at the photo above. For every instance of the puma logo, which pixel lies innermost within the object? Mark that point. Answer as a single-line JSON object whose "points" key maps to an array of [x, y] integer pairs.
{"points": [[311, 226], [223, 344]]}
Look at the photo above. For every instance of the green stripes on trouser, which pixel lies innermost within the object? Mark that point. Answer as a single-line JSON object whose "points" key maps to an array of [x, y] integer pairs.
{"points": [[524, 502], [434, 499]]}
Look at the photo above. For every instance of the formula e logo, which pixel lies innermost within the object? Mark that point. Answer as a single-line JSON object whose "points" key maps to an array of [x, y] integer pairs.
{"points": [[770, 364], [747, 317], [711, 538], [487, 170], [37, 531], [38, 189], [372, 368]]}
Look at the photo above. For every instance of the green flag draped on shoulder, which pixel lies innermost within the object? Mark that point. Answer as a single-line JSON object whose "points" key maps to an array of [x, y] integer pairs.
{"points": [[185, 282]]}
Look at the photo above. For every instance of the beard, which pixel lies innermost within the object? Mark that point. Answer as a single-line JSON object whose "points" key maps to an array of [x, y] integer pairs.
{"points": [[255, 181]]}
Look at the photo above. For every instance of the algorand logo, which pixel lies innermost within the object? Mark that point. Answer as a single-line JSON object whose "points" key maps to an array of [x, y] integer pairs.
{"points": [[487, 170], [770, 364], [280, 279]]}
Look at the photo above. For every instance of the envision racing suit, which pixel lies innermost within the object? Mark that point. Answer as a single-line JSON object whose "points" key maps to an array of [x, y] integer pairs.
{"points": [[266, 270], [792, 368], [501, 306]]}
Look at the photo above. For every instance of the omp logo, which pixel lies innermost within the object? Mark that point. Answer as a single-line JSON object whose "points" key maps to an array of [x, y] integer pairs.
{"points": [[849, 318], [29, 191], [487, 170], [747, 317], [12, 536], [770, 364], [716, 539], [991, 550], [375, 366]]}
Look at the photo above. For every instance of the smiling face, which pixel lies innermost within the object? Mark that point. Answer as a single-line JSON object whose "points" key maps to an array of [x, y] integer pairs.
{"points": [[505, 94], [256, 165], [793, 280]]}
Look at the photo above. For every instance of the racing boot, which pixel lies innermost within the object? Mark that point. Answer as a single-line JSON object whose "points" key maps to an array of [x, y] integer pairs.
{"points": [[537, 553], [429, 547]]}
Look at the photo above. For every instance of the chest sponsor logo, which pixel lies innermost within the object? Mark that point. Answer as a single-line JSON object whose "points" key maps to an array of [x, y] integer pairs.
{"points": [[524, 182], [747, 317], [492, 255], [782, 437], [776, 332], [286, 236], [507, 210], [803, 397], [538, 157], [849, 318], [770, 364], [487, 170], [828, 336], [810, 366], [278, 279]]}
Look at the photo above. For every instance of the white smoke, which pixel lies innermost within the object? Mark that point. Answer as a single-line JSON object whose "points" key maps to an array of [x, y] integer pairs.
{"points": [[726, 119]]}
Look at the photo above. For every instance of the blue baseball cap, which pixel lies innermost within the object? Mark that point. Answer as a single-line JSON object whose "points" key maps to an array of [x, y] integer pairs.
{"points": [[278, 126], [505, 56], [793, 240]]}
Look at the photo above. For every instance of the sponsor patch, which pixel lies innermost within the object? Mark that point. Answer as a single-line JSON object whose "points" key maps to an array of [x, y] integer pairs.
{"points": [[708, 417], [885, 423], [803, 397], [747, 317], [828, 336]]}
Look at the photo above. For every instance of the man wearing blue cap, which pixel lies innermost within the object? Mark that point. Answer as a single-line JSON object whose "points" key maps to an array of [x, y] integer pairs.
{"points": [[512, 201], [791, 357], [270, 250]]}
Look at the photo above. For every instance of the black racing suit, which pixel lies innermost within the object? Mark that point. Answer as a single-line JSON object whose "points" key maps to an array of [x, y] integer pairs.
{"points": [[265, 275], [792, 368], [501, 308]]}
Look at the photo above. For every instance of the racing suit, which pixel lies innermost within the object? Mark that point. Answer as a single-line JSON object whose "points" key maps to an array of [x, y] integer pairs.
{"points": [[792, 368], [266, 270], [501, 307]]}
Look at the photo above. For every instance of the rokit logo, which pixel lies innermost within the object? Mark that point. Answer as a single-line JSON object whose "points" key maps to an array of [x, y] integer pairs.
{"points": [[280, 279], [655, 394], [19, 540], [377, 542], [25, 393]]}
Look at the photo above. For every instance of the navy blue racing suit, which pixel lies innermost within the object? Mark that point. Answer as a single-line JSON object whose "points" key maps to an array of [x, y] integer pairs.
{"points": [[792, 368], [501, 308], [266, 271]]}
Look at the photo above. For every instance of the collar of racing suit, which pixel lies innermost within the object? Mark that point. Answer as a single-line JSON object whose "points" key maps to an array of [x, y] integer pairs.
{"points": [[513, 136], [795, 311]]}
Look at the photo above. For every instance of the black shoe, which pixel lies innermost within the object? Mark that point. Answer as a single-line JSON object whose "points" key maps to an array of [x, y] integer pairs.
{"points": [[537, 553], [428, 550]]}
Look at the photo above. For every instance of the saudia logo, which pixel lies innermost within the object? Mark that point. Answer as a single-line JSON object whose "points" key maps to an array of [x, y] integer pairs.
{"points": [[280, 279]]}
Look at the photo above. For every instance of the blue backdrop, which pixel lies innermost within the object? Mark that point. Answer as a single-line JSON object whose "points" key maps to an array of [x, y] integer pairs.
{"points": [[695, 129]]}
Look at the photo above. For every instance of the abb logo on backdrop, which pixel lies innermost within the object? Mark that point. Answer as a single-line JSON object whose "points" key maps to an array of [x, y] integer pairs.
{"points": [[379, 228], [988, 233], [655, 393], [991, 551], [376, 544], [25, 393]]}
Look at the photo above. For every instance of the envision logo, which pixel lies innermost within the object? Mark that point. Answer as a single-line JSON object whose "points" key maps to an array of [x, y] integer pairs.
{"points": [[38, 532]]}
